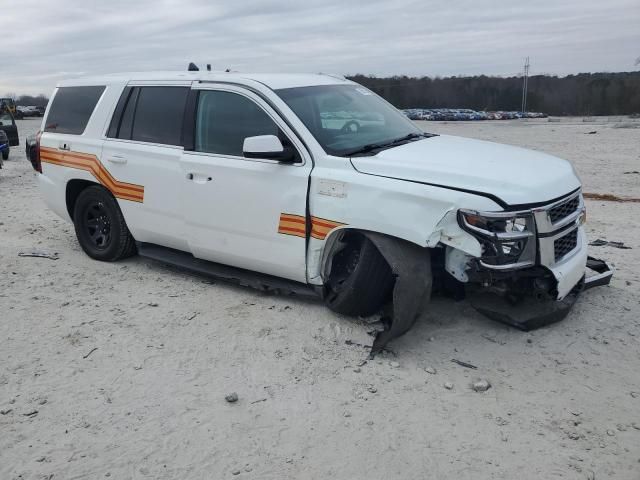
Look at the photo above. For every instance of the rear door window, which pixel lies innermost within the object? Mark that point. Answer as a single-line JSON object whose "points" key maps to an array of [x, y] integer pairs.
{"points": [[72, 108], [158, 115], [122, 119]]}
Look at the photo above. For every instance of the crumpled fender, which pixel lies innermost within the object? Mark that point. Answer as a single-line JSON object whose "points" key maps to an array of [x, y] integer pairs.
{"points": [[448, 232], [411, 265]]}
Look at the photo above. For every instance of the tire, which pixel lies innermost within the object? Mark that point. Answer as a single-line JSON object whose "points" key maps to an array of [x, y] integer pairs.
{"points": [[360, 281], [5, 154], [100, 227]]}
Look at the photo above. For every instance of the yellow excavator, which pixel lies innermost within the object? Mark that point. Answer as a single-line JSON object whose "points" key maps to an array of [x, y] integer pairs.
{"points": [[7, 104]]}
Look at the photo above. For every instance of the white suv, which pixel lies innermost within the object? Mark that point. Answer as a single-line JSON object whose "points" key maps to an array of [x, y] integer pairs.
{"points": [[312, 181]]}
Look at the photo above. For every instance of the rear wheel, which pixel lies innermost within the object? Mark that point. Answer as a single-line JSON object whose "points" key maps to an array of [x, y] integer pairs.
{"points": [[100, 226], [360, 280]]}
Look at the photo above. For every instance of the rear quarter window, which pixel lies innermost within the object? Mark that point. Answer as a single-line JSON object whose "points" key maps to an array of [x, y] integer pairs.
{"points": [[71, 109]]}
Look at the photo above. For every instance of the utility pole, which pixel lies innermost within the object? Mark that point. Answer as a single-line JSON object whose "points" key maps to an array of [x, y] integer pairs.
{"points": [[525, 85]]}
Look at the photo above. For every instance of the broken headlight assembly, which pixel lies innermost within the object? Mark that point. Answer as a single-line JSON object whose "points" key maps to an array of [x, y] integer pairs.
{"points": [[508, 239]]}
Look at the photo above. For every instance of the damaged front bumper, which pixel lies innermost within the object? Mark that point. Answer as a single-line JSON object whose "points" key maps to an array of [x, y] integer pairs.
{"points": [[533, 262], [535, 310]]}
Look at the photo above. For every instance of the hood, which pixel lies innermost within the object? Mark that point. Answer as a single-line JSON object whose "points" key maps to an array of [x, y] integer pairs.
{"points": [[514, 175]]}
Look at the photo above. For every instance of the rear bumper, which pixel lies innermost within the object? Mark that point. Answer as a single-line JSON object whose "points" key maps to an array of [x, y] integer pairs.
{"points": [[54, 196]]}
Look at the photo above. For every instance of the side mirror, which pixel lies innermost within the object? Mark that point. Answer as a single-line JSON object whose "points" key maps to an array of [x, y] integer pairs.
{"points": [[267, 146]]}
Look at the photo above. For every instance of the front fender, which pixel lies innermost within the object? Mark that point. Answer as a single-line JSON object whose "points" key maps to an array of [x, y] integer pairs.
{"points": [[420, 214]]}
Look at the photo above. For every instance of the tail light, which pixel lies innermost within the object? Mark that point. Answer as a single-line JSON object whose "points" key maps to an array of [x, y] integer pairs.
{"points": [[35, 160]]}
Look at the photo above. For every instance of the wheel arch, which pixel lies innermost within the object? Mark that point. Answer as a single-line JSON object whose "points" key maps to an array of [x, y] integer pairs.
{"points": [[410, 265], [330, 244], [74, 187]]}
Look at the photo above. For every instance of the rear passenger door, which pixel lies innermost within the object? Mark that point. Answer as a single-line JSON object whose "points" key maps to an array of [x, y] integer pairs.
{"points": [[245, 212], [144, 146]]}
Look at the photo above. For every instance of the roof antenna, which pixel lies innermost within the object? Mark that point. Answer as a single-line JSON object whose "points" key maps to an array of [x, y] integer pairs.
{"points": [[193, 67], [208, 67]]}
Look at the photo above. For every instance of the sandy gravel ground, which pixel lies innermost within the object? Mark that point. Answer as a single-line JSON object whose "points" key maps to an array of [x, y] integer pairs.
{"points": [[121, 370]]}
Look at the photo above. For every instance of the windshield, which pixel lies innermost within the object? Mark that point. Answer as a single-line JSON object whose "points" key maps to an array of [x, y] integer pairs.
{"points": [[5, 119], [347, 118]]}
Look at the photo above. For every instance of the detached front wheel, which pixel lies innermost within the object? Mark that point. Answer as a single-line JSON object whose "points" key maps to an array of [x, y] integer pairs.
{"points": [[360, 279], [100, 226]]}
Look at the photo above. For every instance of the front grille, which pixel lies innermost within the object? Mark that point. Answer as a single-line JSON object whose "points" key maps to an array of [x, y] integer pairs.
{"points": [[563, 210], [563, 245]]}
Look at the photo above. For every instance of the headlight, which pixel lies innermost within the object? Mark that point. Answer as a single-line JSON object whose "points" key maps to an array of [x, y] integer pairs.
{"points": [[507, 238], [498, 224], [582, 219]]}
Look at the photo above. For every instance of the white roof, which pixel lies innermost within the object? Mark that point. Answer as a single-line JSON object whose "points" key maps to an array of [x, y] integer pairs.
{"points": [[272, 80]]}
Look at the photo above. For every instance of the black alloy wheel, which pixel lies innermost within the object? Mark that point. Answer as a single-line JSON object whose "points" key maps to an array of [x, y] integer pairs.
{"points": [[100, 226]]}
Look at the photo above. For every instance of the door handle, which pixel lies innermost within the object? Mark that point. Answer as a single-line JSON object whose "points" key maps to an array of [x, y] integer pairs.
{"points": [[117, 159], [198, 178], [64, 146]]}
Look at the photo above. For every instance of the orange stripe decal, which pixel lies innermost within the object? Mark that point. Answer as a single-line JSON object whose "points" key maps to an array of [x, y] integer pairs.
{"points": [[293, 218], [320, 227], [91, 164], [296, 225], [290, 224]]}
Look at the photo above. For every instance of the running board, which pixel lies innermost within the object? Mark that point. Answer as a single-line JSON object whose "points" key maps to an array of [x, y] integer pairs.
{"points": [[246, 278]]}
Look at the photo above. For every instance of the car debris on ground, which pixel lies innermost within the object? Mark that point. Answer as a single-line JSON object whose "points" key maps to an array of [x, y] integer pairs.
{"points": [[600, 243], [39, 254], [464, 364]]}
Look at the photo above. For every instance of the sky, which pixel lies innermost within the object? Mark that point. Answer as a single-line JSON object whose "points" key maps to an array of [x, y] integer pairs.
{"points": [[46, 41]]}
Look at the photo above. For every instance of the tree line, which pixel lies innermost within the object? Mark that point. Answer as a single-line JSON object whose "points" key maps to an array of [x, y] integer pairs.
{"points": [[581, 94], [29, 100]]}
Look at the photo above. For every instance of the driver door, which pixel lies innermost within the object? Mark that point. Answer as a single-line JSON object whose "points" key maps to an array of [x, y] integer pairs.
{"points": [[248, 213]]}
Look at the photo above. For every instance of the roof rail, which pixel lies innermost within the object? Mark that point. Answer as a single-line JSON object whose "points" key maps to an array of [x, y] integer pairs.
{"points": [[334, 75]]}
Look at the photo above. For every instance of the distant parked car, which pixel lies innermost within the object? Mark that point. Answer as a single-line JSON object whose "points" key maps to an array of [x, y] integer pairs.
{"points": [[4, 147], [29, 111], [465, 114], [8, 125]]}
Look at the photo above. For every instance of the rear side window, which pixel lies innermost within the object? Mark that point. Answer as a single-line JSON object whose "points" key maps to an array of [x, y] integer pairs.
{"points": [[150, 114], [72, 108]]}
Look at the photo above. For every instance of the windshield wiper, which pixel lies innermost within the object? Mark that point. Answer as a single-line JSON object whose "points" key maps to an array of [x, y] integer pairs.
{"points": [[377, 146]]}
